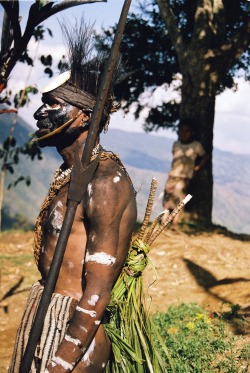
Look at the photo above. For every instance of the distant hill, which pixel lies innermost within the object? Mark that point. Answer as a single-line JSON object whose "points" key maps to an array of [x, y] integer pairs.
{"points": [[145, 156]]}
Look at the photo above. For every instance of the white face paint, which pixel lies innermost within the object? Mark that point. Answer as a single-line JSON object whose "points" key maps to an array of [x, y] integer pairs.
{"points": [[88, 312], [54, 107], [100, 258], [89, 352], [116, 179], [63, 363], [93, 300]]}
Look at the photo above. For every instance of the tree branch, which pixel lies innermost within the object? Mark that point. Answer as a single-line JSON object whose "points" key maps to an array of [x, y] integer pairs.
{"points": [[62, 6], [170, 20]]}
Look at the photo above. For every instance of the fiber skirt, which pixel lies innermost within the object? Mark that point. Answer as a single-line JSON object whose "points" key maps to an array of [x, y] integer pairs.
{"points": [[56, 321]]}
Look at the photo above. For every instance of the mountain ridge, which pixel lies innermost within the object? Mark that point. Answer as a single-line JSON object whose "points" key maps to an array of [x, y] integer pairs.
{"points": [[145, 156]]}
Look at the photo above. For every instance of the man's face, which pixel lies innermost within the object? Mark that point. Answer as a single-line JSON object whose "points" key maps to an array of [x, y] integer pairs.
{"points": [[51, 115]]}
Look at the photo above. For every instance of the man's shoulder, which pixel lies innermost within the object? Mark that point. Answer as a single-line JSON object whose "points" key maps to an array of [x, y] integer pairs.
{"points": [[111, 171]]}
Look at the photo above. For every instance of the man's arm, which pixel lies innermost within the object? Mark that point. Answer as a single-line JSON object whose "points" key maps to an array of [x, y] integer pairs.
{"points": [[110, 217]]}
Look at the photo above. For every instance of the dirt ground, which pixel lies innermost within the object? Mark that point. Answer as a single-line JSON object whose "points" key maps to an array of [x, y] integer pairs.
{"points": [[209, 268]]}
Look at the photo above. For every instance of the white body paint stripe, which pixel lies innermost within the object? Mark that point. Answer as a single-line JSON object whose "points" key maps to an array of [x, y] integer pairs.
{"points": [[97, 322], [89, 312], [101, 258], [90, 191], [116, 179], [63, 363], [76, 342]]}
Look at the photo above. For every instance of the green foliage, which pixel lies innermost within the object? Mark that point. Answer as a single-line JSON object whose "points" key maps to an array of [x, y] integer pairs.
{"points": [[22, 98], [130, 329], [25, 58], [9, 153], [198, 342], [39, 32], [232, 313]]}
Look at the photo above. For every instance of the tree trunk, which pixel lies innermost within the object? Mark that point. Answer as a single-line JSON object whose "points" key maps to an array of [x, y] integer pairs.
{"points": [[200, 108]]}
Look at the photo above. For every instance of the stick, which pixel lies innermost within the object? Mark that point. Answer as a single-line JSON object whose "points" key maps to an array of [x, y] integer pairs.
{"points": [[170, 218], [148, 208]]}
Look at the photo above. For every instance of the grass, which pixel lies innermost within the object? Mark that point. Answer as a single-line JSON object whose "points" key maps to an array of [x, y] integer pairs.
{"points": [[15, 260], [199, 342]]}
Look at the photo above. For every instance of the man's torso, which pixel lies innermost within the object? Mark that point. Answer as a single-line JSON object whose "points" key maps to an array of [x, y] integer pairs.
{"points": [[71, 275]]}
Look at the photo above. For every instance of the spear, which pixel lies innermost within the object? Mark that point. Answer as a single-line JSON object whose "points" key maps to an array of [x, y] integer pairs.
{"points": [[81, 175]]}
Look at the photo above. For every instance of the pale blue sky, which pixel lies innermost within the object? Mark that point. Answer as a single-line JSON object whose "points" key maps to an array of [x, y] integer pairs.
{"points": [[232, 124]]}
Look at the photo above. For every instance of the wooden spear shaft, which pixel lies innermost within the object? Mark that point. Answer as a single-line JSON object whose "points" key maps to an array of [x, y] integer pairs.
{"points": [[82, 173]]}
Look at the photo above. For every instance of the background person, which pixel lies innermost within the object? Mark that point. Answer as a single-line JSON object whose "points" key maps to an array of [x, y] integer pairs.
{"points": [[188, 157]]}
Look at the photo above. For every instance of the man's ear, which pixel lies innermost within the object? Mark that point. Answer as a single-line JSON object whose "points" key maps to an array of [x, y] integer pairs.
{"points": [[86, 116]]}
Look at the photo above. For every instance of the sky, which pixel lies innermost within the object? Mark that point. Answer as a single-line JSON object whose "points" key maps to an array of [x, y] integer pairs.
{"points": [[232, 111]]}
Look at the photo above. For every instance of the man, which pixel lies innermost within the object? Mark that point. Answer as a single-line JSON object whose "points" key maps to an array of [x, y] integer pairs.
{"points": [[73, 337]]}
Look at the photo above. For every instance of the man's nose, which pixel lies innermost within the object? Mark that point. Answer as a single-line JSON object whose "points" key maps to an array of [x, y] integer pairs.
{"points": [[40, 113]]}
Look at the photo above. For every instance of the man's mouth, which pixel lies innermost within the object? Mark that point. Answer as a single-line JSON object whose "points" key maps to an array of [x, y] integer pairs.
{"points": [[44, 133]]}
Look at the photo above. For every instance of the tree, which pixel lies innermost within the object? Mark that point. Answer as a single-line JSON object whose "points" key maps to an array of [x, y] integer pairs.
{"points": [[203, 42], [14, 49]]}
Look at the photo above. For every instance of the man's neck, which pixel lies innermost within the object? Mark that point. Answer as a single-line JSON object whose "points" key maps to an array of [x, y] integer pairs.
{"points": [[68, 153]]}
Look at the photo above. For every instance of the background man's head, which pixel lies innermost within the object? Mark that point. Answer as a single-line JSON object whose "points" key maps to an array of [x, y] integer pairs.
{"points": [[186, 130]]}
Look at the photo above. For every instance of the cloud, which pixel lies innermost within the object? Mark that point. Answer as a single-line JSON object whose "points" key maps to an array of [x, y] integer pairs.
{"points": [[232, 120]]}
